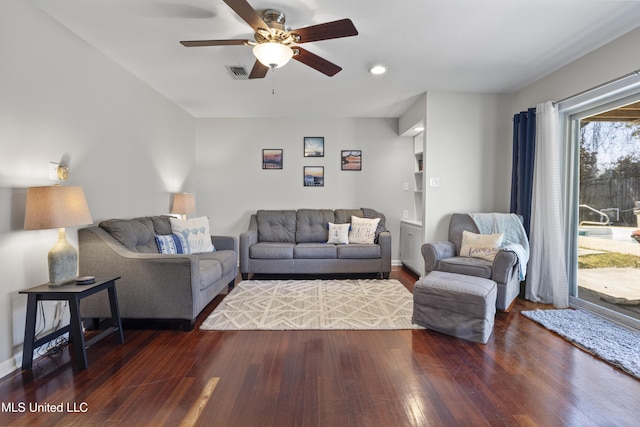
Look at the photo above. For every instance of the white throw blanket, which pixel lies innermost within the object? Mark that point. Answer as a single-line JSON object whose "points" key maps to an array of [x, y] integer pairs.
{"points": [[515, 238]]}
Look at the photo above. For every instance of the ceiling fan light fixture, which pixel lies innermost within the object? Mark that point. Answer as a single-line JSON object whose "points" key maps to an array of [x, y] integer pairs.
{"points": [[272, 54], [274, 44]]}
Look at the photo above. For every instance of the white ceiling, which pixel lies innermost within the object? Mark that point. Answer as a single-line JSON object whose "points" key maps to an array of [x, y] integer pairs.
{"points": [[450, 45]]}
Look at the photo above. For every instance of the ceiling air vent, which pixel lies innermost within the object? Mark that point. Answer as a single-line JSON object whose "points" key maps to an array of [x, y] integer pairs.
{"points": [[238, 72]]}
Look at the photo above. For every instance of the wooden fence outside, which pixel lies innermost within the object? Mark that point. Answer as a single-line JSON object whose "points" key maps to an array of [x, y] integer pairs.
{"points": [[615, 197]]}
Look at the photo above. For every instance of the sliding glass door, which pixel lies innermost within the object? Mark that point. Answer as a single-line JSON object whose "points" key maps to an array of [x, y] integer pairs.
{"points": [[603, 164]]}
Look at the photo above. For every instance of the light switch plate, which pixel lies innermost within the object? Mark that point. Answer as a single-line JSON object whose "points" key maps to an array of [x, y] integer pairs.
{"points": [[53, 171]]}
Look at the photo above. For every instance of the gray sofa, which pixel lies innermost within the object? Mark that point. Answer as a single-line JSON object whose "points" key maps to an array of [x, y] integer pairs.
{"points": [[295, 242], [152, 285]]}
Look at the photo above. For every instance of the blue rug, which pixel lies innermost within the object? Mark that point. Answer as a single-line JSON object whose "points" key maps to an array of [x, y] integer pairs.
{"points": [[609, 341]]}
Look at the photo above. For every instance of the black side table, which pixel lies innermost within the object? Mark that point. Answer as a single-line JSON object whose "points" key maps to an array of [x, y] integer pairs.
{"points": [[72, 293]]}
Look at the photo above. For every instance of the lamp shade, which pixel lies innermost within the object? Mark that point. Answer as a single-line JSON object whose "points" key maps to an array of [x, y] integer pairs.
{"points": [[183, 204], [272, 54], [55, 207]]}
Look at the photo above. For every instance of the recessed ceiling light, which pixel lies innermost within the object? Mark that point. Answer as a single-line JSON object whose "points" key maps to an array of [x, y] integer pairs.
{"points": [[378, 69], [418, 128]]}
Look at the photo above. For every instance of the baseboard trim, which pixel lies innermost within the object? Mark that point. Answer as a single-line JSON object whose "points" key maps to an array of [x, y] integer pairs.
{"points": [[621, 319], [9, 366]]}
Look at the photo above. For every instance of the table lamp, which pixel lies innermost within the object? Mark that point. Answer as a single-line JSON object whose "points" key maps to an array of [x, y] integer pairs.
{"points": [[183, 204], [58, 207]]}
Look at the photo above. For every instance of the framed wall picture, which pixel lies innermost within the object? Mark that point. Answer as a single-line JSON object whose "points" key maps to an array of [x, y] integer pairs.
{"points": [[313, 146], [272, 158], [313, 176], [351, 160]]}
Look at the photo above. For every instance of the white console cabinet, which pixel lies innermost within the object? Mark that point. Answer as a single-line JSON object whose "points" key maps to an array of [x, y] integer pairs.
{"points": [[410, 246]]}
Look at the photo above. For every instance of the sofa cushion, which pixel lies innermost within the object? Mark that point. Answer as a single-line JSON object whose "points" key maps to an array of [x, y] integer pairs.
{"points": [[466, 265], [311, 225], [457, 224], [161, 224], [363, 230], [315, 251], [227, 259], [171, 244], [276, 226], [382, 225], [210, 272], [343, 216], [484, 246], [359, 251], [339, 233], [272, 250], [196, 232], [135, 234]]}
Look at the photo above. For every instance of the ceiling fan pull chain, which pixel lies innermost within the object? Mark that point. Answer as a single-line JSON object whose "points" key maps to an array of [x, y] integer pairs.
{"points": [[273, 81]]}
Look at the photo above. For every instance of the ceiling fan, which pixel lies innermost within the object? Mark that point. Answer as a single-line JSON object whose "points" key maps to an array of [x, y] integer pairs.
{"points": [[274, 45]]}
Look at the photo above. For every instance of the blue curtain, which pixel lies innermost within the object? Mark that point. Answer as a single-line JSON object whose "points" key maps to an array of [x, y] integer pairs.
{"points": [[524, 148]]}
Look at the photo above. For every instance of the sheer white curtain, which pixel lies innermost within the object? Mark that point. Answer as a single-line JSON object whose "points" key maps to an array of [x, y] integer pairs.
{"points": [[547, 274]]}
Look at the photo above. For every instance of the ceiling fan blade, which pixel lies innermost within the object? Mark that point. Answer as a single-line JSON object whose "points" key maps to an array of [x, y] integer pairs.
{"points": [[259, 71], [247, 13], [316, 62], [328, 30], [196, 43]]}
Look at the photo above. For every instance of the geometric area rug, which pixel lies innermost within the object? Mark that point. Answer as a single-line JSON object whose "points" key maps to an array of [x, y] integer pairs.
{"points": [[314, 305], [613, 343]]}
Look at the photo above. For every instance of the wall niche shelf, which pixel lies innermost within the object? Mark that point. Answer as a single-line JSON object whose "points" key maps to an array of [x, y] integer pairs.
{"points": [[411, 229], [418, 174]]}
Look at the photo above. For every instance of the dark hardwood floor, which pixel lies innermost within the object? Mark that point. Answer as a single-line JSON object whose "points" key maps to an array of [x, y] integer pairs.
{"points": [[524, 375]]}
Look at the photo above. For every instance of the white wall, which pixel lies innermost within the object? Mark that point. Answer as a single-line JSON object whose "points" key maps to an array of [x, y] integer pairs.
{"points": [[468, 151], [232, 184], [607, 63], [61, 100], [468, 148]]}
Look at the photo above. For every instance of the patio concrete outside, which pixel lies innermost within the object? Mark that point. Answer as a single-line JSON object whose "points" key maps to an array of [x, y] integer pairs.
{"points": [[614, 288]]}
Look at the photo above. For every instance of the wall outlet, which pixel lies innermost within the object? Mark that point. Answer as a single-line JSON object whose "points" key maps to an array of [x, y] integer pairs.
{"points": [[434, 182]]}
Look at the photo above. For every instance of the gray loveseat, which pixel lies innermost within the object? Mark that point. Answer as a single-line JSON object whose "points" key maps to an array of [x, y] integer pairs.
{"points": [[152, 285], [295, 242]]}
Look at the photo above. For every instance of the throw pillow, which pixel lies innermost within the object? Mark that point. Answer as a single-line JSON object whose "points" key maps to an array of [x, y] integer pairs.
{"points": [[196, 233], [363, 230], [171, 244], [484, 246], [339, 233], [372, 213]]}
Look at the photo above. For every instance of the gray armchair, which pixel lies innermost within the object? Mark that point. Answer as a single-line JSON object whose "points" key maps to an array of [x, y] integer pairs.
{"points": [[445, 256]]}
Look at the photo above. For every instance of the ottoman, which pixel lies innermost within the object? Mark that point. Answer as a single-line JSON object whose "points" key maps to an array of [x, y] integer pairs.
{"points": [[455, 304]]}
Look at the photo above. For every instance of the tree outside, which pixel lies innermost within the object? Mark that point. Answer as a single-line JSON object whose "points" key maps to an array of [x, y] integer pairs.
{"points": [[610, 169]]}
